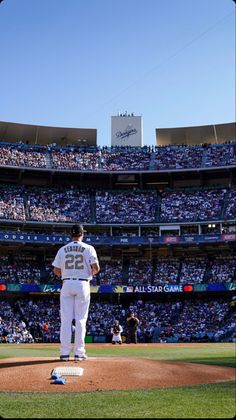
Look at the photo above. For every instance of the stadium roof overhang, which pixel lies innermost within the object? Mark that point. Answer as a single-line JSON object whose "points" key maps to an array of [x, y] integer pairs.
{"points": [[218, 133], [44, 135]]}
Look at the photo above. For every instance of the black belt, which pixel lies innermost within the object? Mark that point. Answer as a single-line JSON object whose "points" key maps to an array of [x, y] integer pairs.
{"points": [[69, 278]]}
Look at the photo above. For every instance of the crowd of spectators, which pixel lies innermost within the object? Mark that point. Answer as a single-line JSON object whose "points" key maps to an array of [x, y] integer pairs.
{"points": [[192, 205], [25, 269], [229, 228], [101, 317], [222, 270], [75, 160], [139, 272], [13, 328], [38, 320], [125, 207], [12, 203], [42, 317], [230, 211], [221, 154], [200, 321], [111, 273], [124, 158], [193, 270], [17, 156], [20, 270], [55, 205], [70, 204], [166, 270], [178, 157]]}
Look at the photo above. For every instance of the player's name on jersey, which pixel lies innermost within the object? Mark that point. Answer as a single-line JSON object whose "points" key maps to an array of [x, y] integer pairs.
{"points": [[74, 248]]}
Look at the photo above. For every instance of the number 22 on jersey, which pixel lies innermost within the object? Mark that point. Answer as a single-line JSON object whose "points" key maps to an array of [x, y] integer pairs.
{"points": [[74, 262]]}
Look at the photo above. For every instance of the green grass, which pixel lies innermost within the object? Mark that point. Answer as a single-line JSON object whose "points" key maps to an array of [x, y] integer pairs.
{"points": [[200, 401], [222, 354], [205, 401]]}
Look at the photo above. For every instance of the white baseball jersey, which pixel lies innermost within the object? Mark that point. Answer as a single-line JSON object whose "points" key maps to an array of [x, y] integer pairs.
{"points": [[75, 259]]}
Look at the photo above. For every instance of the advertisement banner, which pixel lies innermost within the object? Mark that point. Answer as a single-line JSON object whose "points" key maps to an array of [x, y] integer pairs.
{"points": [[228, 237], [171, 239], [114, 240], [147, 288], [162, 288]]}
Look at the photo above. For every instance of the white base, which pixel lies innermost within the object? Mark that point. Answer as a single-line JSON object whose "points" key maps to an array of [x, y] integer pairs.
{"points": [[68, 371]]}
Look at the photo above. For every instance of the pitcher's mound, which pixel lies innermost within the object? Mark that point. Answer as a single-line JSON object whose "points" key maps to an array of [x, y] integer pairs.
{"points": [[106, 373]]}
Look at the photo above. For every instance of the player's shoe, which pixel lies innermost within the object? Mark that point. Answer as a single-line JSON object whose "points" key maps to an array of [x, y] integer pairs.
{"points": [[64, 358], [80, 358]]}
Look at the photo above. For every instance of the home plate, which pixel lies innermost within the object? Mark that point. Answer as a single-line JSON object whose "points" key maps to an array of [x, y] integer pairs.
{"points": [[68, 371]]}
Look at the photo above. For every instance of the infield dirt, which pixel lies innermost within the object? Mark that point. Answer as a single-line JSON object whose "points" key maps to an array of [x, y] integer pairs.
{"points": [[106, 373]]}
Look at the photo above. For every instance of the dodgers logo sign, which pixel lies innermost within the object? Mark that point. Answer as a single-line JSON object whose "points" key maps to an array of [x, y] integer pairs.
{"points": [[129, 131]]}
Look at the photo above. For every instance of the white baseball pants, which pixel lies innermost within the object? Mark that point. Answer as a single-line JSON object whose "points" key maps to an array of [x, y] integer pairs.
{"points": [[74, 304]]}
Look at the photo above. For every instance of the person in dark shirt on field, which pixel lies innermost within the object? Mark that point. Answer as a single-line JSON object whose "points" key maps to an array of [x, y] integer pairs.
{"points": [[132, 327]]}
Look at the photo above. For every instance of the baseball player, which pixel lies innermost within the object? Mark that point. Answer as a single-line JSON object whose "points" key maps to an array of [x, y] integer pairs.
{"points": [[116, 331], [76, 263]]}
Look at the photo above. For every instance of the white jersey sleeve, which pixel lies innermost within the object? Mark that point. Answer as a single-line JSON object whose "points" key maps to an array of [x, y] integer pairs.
{"points": [[92, 255], [58, 260]]}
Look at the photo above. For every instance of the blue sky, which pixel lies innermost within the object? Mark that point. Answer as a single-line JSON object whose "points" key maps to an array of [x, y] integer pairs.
{"points": [[75, 63]]}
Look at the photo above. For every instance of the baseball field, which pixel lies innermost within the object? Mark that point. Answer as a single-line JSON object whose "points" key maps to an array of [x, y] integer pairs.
{"points": [[194, 380]]}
